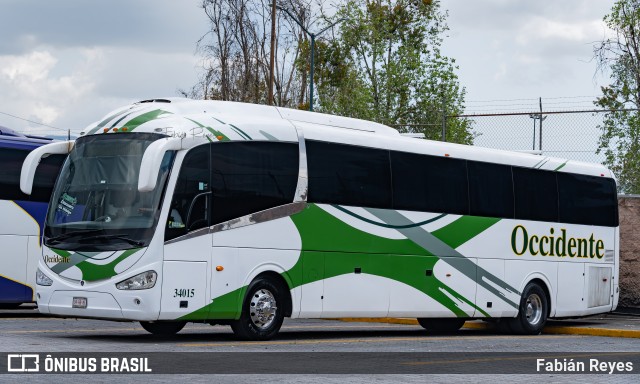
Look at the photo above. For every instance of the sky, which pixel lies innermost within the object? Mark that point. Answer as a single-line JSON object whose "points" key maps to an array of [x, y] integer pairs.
{"points": [[67, 63], [515, 52]]}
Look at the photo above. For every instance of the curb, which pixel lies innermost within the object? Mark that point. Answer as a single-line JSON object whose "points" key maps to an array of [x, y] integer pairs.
{"points": [[551, 329]]}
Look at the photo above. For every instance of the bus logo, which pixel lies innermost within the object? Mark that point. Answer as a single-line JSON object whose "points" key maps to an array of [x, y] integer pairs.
{"points": [[56, 259], [23, 363], [555, 245]]}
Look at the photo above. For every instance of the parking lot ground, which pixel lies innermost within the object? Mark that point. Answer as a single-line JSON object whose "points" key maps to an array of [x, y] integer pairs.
{"points": [[606, 325], [25, 330]]}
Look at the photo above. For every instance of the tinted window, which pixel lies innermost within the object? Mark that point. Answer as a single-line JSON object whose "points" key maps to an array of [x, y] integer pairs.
{"points": [[191, 197], [46, 174], [45, 177], [249, 177], [490, 190], [429, 183], [536, 194], [348, 175], [587, 200], [11, 160]]}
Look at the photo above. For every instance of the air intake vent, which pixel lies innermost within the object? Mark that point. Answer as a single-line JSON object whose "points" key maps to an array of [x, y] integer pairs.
{"points": [[599, 284], [155, 101], [609, 256]]}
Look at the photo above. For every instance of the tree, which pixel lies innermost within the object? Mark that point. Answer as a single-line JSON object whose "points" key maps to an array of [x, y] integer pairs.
{"points": [[390, 68], [236, 52], [382, 63], [620, 54]]}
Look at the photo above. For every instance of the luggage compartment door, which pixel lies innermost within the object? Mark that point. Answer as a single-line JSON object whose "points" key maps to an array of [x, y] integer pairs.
{"points": [[183, 288]]}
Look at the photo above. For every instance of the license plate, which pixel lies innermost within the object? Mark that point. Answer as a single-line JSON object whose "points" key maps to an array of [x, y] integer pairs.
{"points": [[79, 302]]}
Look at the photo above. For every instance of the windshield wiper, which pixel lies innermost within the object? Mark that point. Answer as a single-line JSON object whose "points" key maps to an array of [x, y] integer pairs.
{"points": [[59, 238], [121, 236]]}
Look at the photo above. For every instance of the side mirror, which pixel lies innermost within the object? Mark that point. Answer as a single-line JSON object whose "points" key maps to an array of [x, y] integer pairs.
{"points": [[33, 159], [153, 155], [152, 161]]}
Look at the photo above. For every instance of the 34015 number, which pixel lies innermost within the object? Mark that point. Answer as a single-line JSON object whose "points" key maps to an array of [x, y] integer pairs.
{"points": [[184, 292]]}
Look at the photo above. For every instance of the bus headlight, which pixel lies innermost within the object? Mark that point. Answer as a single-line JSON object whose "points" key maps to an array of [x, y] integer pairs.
{"points": [[42, 279], [144, 280]]}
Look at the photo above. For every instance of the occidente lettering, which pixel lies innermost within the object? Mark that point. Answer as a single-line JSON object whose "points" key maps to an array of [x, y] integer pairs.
{"points": [[553, 244]]}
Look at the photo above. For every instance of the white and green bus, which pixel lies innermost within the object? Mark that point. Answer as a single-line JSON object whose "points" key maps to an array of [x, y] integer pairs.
{"points": [[170, 211]]}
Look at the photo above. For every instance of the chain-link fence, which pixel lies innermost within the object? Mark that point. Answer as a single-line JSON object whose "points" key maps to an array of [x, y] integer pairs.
{"points": [[572, 135]]}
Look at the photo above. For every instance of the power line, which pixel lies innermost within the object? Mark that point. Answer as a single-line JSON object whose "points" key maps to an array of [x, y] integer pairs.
{"points": [[490, 101], [31, 121], [534, 99], [571, 97]]}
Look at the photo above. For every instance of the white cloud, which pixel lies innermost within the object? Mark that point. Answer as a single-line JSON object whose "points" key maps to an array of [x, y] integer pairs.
{"points": [[28, 68], [37, 89], [543, 28], [60, 67]]}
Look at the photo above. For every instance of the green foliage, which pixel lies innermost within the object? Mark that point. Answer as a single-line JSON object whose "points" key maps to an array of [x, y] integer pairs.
{"points": [[387, 66], [620, 139], [382, 63]]}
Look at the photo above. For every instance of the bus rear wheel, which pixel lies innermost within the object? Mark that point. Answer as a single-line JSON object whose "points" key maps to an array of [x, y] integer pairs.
{"points": [[532, 313], [439, 325], [262, 311], [163, 328]]}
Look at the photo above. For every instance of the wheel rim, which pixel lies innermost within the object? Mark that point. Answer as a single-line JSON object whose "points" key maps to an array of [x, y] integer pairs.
{"points": [[533, 309], [262, 308]]}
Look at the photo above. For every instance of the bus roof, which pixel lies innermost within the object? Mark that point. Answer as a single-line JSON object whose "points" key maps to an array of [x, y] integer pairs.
{"points": [[226, 120], [12, 139]]}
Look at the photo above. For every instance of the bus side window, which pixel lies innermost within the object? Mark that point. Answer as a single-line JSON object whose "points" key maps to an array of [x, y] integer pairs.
{"points": [[587, 200], [253, 176], [429, 183], [348, 175], [536, 194], [11, 160], [490, 190], [46, 174], [192, 195]]}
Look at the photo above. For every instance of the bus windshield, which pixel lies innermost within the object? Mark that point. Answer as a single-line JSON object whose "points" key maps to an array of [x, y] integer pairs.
{"points": [[96, 205]]}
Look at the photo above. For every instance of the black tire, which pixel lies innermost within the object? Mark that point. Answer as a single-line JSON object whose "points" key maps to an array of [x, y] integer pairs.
{"points": [[438, 325], [163, 328], [532, 312], [262, 311], [504, 326]]}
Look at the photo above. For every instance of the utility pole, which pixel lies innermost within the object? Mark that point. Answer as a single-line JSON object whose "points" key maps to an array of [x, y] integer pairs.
{"points": [[272, 54], [534, 117], [541, 118], [444, 117], [537, 116], [313, 47]]}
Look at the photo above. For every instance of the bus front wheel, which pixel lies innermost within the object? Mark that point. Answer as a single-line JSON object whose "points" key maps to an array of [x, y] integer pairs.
{"points": [[163, 328], [262, 311], [532, 313], [439, 325]]}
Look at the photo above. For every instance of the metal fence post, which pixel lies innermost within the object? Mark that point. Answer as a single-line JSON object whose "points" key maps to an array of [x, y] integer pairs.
{"points": [[444, 118]]}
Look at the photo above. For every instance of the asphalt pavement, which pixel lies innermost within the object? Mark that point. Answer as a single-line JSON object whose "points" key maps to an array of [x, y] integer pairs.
{"points": [[615, 324]]}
